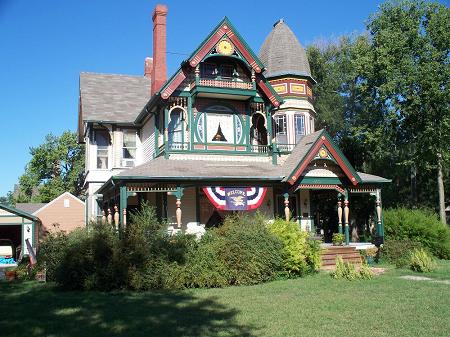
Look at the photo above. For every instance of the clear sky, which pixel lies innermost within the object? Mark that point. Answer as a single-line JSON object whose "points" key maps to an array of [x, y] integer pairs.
{"points": [[44, 45]]}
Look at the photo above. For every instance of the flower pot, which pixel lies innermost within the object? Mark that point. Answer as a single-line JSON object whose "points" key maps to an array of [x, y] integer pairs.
{"points": [[11, 275]]}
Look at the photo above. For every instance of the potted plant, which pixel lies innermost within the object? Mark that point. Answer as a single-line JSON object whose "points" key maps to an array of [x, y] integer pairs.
{"points": [[338, 239]]}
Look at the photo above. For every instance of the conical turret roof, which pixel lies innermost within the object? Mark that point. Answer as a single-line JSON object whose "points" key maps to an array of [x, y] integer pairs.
{"points": [[282, 53]]}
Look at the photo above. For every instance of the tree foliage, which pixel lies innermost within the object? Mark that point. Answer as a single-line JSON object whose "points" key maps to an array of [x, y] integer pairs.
{"points": [[56, 166], [385, 97]]}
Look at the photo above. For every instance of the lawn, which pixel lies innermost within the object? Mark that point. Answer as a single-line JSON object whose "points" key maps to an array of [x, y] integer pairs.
{"points": [[312, 306]]}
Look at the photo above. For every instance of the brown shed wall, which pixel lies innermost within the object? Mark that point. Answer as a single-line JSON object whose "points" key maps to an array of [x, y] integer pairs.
{"points": [[68, 218]]}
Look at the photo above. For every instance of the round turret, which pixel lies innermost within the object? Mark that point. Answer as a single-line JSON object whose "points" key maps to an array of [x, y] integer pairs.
{"points": [[282, 54]]}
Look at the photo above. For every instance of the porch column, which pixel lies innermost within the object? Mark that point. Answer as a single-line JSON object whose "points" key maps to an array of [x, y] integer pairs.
{"points": [[103, 217], [116, 217], [287, 212], [339, 210], [379, 214], [123, 203], [109, 217], [178, 195], [346, 218]]}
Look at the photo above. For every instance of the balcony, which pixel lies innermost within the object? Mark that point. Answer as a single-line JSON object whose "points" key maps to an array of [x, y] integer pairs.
{"points": [[223, 86]]}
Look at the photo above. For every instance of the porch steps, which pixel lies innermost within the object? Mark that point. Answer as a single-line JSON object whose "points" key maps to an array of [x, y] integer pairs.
{"points": [[348, 254]]}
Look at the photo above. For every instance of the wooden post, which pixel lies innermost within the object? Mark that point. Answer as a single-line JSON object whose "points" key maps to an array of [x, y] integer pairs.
{"points": [[109, 217], [287, 211], [124, 221], [116, 217], [339, 210], [178, 212], [346, 219], [103, 217], [378, 208]]}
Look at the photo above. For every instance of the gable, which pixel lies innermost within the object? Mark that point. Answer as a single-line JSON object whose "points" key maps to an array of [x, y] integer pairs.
{"points": [[323, 149], [60, 203], [223, 39]]}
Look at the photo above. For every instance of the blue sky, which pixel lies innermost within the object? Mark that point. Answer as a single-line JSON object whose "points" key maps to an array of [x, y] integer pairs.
{"points": [[46, 44]]}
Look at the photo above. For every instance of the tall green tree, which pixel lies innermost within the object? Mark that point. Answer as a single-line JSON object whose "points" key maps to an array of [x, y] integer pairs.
{"points": [[56, 166], [407, 72]]}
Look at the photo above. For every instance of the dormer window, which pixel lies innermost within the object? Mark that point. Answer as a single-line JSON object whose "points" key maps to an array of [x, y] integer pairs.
{"points": [[219, 71]]}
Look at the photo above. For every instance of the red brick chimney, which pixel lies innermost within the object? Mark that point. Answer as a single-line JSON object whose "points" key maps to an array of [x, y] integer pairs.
{"points": [[159, 73], [148, 67]]}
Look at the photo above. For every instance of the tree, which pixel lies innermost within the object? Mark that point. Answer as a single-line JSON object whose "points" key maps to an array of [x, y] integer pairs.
{"points": [[407, 71], [56, 166]]}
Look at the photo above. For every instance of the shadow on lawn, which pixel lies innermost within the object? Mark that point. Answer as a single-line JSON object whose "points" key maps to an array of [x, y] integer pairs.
{"points": [[36, 310]]}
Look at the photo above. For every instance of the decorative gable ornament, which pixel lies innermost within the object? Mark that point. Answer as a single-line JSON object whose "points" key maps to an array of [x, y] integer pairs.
{"points": [[235, 198]]}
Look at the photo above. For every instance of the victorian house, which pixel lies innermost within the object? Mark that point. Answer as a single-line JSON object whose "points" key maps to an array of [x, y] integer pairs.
{"points": [[228, 131]]}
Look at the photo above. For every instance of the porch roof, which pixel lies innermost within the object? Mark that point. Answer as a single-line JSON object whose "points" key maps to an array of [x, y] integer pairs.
{"points": [[370, 178], [190, 169]]}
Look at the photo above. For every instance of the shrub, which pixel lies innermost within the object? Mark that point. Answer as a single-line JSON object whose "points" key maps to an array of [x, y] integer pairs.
{"points": [[51, 252], [398, 251], [421, 261], [251, 253], [418, 225], [299, 255], [338, 239], [346, 270]]}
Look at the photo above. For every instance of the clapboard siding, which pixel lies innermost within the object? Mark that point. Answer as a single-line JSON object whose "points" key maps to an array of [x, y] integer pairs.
{"points": [[148, 139]]}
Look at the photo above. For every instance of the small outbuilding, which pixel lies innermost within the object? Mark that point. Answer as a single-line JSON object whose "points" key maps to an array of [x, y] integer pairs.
{"points": [[18, 226], [66, 213]]}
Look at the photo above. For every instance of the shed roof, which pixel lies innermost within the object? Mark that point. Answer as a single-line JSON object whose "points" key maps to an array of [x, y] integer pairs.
{"points": [[30, 207]]}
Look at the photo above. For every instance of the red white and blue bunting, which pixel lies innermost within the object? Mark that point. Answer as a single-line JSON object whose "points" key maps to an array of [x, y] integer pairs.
{"points": [[235, 198]]}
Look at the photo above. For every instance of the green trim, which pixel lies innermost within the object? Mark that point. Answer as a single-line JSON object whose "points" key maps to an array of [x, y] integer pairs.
{"points": [[226, 21], [320, 180], [123, 204], [179, 192], [219, 90], [334, 146]]}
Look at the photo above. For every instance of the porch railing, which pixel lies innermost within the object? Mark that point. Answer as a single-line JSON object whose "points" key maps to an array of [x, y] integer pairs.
{"points": [[224, 84]]}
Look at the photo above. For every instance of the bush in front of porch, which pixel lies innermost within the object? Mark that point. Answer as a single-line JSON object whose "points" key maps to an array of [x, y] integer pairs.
{"points": [[245, 250]]}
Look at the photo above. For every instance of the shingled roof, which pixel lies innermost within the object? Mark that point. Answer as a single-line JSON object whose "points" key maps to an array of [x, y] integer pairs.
{"points": [[282, 54], [112, 98], [30, 207]]}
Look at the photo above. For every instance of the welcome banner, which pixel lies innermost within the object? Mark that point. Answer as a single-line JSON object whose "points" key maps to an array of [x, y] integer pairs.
{"points": [[235, 198]]}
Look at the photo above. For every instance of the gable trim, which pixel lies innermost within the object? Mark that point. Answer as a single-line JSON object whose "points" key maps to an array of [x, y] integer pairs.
{"points": [[325, 141], [68, 194]]}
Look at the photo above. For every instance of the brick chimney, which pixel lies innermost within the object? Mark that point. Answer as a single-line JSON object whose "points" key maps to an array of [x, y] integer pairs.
{"points": [[159, 73], [148, 67]]}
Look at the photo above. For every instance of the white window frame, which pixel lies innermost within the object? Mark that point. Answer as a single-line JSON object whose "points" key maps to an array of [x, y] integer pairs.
{"points": [[283, 119], [101, 148], [302, 130], [129, 162]]}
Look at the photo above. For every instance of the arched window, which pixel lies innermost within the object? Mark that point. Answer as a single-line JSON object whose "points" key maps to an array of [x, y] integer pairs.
{"points": [[258, 131], [175, 129]]}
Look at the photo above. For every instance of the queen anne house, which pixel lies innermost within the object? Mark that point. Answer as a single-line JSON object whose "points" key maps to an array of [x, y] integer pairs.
{"points": [[229, 130]]}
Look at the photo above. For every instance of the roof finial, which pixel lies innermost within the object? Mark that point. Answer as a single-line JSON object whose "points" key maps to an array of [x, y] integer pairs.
{"points": [[281, 20]]}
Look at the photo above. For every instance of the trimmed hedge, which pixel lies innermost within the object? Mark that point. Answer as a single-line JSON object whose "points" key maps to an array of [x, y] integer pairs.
{"points": [[420, 225]]}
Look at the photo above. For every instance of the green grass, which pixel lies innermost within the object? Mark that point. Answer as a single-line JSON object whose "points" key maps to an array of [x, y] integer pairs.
{"points": [[312, 306]]}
